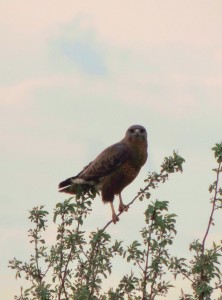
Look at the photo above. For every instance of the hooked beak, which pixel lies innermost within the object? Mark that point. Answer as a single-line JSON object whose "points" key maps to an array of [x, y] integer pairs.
{"points": [[137, 131]]}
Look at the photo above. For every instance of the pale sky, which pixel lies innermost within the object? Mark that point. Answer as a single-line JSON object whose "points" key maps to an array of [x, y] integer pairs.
{"points": [[74, 76]]}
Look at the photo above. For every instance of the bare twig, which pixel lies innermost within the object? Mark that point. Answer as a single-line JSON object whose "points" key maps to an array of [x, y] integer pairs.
{"points": [[147, 259], [71, 252], [213, 207], [210, 222], [62, 287]]}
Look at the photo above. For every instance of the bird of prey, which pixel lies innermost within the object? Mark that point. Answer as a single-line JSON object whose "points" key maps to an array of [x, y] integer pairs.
{"points": [[113, 169]]}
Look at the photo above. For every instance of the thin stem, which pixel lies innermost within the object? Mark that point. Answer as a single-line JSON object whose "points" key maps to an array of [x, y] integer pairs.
{"points": [[93, 255], [153, 294], [48, 268], [36, 253], [71, 252], [147, 258], [62, 287], [185, 275], [201, 297], [139, 265], [213, 208]]}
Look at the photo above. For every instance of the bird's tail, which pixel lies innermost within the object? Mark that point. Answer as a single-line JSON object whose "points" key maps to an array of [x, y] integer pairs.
{"points": [[66, 182], [65, 186], [74, 185]]}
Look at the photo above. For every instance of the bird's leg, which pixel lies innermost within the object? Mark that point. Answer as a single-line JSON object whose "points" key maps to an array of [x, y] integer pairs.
{"points": [[114, 216], [122, 206]]}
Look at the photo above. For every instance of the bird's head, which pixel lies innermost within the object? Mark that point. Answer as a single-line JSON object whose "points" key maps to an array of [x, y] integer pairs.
{"points": [[136, 133]]}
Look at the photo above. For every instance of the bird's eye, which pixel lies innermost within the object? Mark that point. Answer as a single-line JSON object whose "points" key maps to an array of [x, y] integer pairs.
{"points": [[131, 130], [142, 130]]}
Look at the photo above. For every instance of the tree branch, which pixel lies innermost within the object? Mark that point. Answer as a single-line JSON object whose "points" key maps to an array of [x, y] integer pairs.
{"points": [[213, 207]]}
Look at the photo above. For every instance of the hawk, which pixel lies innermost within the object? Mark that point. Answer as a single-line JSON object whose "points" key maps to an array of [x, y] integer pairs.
{"points": [[113, 169]]}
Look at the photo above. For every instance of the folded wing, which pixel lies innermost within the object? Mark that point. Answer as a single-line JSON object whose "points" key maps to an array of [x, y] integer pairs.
{"points": [[108, 161]]}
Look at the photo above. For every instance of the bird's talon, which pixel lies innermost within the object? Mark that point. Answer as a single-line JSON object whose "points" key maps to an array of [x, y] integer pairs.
{"points": [[126, 207], [115, 218], [123, 207]]}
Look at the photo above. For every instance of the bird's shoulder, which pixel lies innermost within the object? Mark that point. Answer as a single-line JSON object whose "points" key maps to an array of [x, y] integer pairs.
{"points": [[107, 161]]}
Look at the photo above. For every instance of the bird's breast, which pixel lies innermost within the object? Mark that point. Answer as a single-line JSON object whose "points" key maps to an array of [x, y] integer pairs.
{"points": [[129, 172], [138, 156], [119, 179]]}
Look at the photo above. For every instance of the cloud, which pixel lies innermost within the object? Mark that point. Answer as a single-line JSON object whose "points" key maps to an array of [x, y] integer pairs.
{"points": [[78, 49], [82, 55]]}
